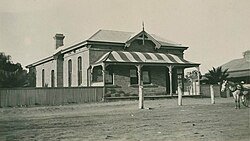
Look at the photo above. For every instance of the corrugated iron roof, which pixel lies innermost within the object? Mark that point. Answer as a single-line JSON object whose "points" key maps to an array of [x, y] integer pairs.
{"points": [[142, 57], [112, 37], [237, 65], [239, 73]]}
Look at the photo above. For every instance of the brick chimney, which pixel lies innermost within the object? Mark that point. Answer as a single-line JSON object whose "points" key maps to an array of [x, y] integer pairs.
{"points": [[59, 40], [246, 55]]}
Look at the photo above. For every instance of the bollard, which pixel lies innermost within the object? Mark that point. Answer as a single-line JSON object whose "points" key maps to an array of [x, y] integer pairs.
{"points": [[141, 97], [179, 96], [212, 94]]}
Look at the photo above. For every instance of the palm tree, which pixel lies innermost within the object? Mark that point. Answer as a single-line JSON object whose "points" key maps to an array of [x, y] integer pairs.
{"points": [[216, 75]]}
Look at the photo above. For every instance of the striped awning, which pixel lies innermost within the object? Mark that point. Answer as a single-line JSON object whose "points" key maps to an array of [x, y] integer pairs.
{"points": [[139, 57]]}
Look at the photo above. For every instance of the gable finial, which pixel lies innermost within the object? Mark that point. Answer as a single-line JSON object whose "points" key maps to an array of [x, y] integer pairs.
{"points": [[142, 25]]}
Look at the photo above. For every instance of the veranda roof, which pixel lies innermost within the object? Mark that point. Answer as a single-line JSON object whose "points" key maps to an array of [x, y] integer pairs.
{"points": [[143, 58]]}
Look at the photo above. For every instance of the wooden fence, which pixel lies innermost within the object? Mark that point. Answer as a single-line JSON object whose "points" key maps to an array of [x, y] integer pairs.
{"points": [[49, 96], [205, 90]]}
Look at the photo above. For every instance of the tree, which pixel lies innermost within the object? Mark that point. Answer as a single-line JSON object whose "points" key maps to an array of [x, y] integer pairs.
{"points": [[31, 79], [193, 76], [216, 75], [11, 75]]}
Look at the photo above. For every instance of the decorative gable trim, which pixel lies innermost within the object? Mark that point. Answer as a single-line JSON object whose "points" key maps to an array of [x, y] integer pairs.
{"points": [[143, 35]]}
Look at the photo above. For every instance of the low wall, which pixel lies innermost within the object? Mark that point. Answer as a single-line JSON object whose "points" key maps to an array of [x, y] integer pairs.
{"points": [[49, 96], [205, 90]]}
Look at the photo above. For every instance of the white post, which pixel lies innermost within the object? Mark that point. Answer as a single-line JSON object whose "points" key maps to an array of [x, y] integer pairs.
{"points": [[170, 80], [90, 76], [194, 87], [199, 84], [179, 96], [140, 83], [212, 94], [103, 79]]}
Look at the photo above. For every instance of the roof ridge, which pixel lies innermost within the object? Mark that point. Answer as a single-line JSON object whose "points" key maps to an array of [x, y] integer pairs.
{"points": [[116, 30], [94, 34]]}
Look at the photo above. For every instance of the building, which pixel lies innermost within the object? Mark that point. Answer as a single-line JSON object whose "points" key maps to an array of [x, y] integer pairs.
{"points": [[118, 61], [239, 69]]}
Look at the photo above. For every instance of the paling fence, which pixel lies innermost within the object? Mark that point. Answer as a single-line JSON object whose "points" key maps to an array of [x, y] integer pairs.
{"points": [[60, 96], [192, 89], [49, 96], [206, 91]]}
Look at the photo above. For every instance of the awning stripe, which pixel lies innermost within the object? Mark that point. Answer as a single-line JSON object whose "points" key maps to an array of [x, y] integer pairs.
{"points": [[125, 57], [177, 58], [120, 57], [159, 57], [139, 57], [148, 57], [111, 57], [165, 58], [130, 57], [171, 58], [152, 56], [136, 57]]}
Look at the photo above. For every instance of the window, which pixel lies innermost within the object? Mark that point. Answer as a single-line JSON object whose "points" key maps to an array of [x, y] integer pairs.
{"points": [[133, 76], [97, 74], [52, 78], [109, 76], [145, 76], [43, 82], [70, 73], [79, 70]]}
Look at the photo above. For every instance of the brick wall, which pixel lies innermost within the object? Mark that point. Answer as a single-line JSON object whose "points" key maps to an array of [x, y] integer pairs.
{"points": [[94, 55], [121, 79], [59, 73], [122, 82]]}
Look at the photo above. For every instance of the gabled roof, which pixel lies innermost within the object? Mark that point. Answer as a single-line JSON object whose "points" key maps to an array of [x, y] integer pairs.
{"points": [[142, 36], [109, 36]]}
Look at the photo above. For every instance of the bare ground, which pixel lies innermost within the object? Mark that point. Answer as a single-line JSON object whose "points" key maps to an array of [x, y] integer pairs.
{"points": [[197, 119]]}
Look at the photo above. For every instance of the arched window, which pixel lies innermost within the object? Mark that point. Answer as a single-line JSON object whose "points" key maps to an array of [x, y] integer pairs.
{"points": [[43, 82], [52, 78], [79, 70], [70, 73]]}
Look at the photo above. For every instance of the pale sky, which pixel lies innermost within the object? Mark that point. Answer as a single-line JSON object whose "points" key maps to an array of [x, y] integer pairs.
{"points": [[216, 31]]}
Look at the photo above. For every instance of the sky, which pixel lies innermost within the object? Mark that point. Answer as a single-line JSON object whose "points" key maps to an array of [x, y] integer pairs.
{"points": [[216, 31]]}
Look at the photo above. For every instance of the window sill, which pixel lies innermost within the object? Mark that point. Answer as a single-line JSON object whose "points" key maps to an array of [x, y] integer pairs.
{"points": [[112, 86], [144, 85]]}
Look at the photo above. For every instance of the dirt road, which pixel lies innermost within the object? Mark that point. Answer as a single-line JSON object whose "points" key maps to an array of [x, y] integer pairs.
{"points": [[197, 119]]}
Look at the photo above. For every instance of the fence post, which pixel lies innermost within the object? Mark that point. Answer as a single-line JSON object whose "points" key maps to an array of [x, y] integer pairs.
{"points": [[212, 94], [179, 96], [141, 98], [140, 82]]}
